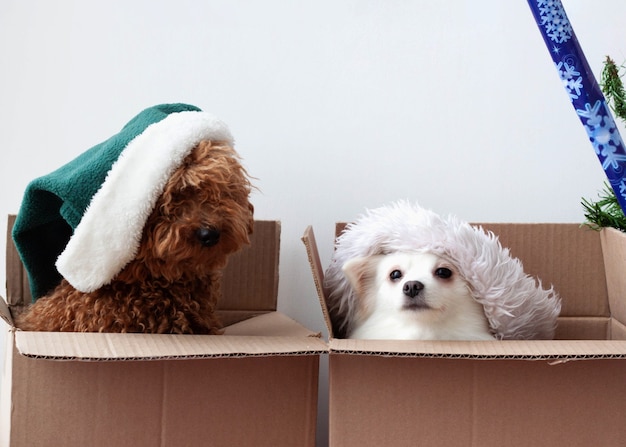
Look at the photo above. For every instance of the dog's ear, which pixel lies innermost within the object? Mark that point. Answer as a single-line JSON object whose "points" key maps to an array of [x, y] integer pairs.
{"points": [[361, 272]]}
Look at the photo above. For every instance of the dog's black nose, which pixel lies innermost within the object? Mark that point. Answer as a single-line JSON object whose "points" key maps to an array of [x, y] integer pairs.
{"points": [[412, 288], [208, 236]]}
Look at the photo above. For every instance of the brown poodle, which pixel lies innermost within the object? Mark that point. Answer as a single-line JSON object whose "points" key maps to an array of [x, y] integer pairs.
{"points": [[173, 284]]}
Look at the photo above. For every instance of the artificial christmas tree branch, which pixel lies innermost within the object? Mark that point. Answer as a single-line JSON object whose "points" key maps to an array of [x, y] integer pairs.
{"points": [[613, 88], [607, 212]]}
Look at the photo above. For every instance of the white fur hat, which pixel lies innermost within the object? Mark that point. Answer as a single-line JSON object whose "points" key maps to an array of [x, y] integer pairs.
{"points": [[515, 304]]}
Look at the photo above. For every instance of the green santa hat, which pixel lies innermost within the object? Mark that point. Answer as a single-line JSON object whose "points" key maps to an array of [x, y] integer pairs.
{"points": [[84, 221]]}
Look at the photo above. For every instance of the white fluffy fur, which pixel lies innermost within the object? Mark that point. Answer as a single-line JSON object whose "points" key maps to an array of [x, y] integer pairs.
{"points": [[440, 307], [515, 304], [111, 227]]}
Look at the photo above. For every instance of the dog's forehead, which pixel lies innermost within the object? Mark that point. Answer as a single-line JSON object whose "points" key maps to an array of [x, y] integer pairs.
{"points": [[416, 261]]}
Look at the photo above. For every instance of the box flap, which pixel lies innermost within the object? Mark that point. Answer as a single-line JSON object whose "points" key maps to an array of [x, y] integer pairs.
{"points": [[582, 328], [273, 324], [249, 282], [488, 350], [318, 274], [552, 253], [17, 286], [271, 334], [614, 252], [5, 313]]}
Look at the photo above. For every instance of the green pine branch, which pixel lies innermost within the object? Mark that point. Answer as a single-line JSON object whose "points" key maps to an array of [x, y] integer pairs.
{"points": [[605, 212], [613, 88]]}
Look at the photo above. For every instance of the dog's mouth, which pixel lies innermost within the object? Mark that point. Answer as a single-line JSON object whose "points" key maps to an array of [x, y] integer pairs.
{"points": [[416, 306]]}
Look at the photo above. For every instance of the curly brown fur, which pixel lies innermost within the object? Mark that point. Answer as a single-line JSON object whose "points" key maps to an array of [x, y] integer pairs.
{"points": [[173, 284]]}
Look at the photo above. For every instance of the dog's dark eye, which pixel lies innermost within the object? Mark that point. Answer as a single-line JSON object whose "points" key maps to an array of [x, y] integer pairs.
{"points": [[208, 236], [443, 272], [395, 275]]}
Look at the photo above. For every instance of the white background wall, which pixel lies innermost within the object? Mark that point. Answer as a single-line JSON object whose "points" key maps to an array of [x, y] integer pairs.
{"points": [[336, 106]]}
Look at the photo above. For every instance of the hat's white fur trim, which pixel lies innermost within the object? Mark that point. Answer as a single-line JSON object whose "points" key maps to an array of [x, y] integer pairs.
{"points": [[515, 304], [109, 233]]}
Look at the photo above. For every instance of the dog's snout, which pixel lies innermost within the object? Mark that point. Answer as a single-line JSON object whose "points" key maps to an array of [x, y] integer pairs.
{"points": [[412, 288], [208, 236]]}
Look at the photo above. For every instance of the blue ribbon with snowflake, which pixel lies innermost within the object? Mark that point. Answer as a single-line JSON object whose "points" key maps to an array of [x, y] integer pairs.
{"points": [[583, 91]]}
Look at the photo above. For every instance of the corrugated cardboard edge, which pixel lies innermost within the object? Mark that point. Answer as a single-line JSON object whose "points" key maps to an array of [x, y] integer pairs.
{"points": [[6, 387], [272, 334], [551, 350], [308, 238], [554, 351]]}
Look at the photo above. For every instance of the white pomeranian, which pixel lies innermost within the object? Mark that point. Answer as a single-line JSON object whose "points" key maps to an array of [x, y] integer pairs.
{"points": [[413, 296], [421, 248]]}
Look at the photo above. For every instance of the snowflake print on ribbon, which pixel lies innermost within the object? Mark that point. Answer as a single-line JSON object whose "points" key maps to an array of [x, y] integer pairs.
{"points": [[603, 134], [583, 91], [572, 81], [555, 21]]}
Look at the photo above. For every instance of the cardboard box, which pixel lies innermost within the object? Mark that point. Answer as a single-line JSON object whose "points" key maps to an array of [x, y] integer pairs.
{"points": [[570, 391], [255, 385]]}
